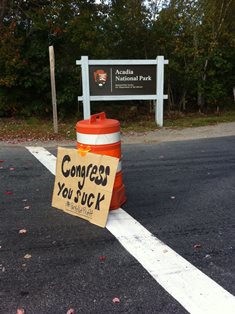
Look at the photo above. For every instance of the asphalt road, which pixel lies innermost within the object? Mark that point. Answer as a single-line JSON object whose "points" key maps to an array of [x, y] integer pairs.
{"points": [[182, 192]]}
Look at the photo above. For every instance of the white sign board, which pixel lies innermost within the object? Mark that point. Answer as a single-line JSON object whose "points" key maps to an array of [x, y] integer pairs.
{"points": [[123, 80]]}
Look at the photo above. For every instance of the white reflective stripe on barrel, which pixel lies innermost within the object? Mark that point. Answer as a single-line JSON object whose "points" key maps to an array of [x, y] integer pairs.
{"points": [[98, 139], [119, 168]]}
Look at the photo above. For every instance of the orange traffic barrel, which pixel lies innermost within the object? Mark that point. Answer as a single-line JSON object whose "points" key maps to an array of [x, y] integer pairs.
{"points": [[102, 135]]}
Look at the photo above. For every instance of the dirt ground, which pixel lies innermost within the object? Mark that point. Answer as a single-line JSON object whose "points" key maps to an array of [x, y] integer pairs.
{"points": [[166, 134]]}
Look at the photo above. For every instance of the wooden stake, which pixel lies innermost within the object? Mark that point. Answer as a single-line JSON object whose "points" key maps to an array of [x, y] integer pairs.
{"points": [[53, 89]]}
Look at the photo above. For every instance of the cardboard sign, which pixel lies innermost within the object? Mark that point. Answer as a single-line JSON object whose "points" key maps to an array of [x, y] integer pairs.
{"points": [[84, 184]]}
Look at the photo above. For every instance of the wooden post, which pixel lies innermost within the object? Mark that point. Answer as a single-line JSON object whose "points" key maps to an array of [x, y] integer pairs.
{"points": [[53, 89]]}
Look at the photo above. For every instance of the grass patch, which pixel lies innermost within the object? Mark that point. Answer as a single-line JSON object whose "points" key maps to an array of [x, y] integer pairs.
{"points": [[31, 129], [34, 129], [197, 120], [138, 126]]}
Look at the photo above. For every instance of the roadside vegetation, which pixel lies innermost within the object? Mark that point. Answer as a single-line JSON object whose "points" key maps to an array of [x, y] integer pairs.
{"points": [[34, 129], [196, 36]]}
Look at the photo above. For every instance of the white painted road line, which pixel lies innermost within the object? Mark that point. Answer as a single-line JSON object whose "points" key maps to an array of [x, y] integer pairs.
{"points": [[45, 157], [195, 291]]}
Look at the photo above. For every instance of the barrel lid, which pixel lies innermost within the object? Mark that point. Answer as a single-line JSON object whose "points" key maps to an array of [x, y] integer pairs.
{"points": [[98, 124]]}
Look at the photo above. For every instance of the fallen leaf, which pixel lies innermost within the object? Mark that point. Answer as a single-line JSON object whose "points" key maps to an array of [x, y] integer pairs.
{"points": [[1, 160], [8, 193], [172, 197], [165, 251], [102, 258], [22, 231], [20, 311], [24, 200], [1, 167], [71, 311], [11, 169], [27, 207], [197, 246], [27, 256], [116, 300]]}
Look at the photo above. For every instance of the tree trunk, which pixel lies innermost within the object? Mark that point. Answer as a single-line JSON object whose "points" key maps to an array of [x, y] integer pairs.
{"points": [[234, 93], [151, 106], [182, 104], [3, 8], [200, 100], [200, 96], [171, 103]]}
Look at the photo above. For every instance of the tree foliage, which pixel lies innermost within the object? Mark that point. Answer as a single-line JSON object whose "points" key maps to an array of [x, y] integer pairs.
{"points": [[197, 36]]}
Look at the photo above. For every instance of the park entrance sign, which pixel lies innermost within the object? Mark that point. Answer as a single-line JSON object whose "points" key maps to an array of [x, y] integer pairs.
{"points": [[123, 80]]}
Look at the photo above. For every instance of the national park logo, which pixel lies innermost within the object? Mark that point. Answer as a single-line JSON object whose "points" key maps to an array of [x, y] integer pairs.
{"points": [[100, 77]]}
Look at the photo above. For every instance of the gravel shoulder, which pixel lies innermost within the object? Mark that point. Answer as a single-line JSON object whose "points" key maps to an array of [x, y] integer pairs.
{"points": [[157, 136], [166, 134]]}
